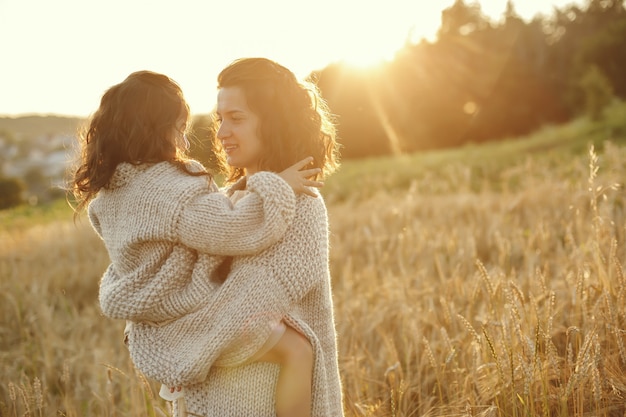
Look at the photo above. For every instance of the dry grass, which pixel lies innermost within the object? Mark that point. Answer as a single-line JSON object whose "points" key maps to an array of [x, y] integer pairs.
{"points": [[459, 295], [59, 355]]}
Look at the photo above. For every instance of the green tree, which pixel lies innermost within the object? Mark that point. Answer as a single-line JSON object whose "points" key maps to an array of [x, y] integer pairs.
{"points": [[606, 49], [597, 90], [461, 19], [482, 80], [11, 193], [584, 36]]}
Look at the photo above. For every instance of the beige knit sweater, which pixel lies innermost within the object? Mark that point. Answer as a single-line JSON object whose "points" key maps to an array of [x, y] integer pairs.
{"points": [[204, 338], [290, 279], [154, 219]]}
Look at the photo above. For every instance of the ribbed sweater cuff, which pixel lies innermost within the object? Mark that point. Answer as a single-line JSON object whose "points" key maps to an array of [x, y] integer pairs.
{"points": [[268, 183]]}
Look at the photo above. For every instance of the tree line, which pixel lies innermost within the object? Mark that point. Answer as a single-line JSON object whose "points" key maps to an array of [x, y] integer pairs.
{"points": [[482, 80]]}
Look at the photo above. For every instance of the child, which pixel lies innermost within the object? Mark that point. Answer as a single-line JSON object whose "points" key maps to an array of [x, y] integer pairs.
{"points": [[164, 223]]}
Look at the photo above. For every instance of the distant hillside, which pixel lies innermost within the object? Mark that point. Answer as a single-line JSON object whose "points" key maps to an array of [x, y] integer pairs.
{"points": [[34, 126]]}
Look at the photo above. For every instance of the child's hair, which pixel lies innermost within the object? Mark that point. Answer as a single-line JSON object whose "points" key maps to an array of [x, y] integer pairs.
{"points": [[294, 120], [140, 120]]}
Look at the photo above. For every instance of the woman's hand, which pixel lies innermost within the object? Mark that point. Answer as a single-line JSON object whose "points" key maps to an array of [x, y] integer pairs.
{"points": [[293, 348], [298, 178]]}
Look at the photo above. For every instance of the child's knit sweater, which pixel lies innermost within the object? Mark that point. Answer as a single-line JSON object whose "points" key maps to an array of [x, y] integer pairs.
{"points": [[165, 232]]}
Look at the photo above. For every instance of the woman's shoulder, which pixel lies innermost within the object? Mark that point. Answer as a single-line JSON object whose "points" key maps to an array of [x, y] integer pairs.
{"points": [[308, 200], [311, 206]]}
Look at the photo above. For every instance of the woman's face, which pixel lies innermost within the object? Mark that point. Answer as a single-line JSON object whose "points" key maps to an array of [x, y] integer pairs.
{"points": [[238, 130]]}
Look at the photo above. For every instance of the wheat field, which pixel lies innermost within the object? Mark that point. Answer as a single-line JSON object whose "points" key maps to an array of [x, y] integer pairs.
{"points": [[467, 291]]}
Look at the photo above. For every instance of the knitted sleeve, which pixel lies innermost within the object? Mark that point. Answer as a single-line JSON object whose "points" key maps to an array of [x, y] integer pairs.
{"points": [[210, 223], [292, 268], [236, 322], [182, 352]]}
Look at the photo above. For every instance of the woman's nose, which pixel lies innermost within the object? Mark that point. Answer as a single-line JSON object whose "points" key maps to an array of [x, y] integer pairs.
{"points": [[222, 132]]}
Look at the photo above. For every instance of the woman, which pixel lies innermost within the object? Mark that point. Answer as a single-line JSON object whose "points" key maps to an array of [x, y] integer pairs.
{"points": [[265, 120]]}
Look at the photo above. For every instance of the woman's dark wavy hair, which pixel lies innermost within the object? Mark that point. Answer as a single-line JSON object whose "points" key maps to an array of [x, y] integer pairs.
{"points": [[137, 122], [294, 120]]}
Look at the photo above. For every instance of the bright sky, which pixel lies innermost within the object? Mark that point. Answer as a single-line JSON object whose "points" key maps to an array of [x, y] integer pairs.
{"points": [[59, 56]]}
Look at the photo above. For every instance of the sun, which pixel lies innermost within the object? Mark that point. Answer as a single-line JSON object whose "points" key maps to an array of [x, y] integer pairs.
{"points": [[368, 58], [381, 30]]}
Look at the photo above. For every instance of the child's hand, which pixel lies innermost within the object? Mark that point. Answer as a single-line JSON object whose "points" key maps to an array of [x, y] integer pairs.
{"points": [[298, 178]]}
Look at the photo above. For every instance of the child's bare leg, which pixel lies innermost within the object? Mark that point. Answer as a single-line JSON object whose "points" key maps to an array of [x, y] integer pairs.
{"points": [[294, 353]]}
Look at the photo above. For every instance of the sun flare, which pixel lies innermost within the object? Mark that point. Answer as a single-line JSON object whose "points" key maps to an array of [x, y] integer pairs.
{"points": [[368, 58], [380, 32]]}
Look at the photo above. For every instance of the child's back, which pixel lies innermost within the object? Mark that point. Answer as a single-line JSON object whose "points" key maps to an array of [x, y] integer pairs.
{"points": [[137, 217]]}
